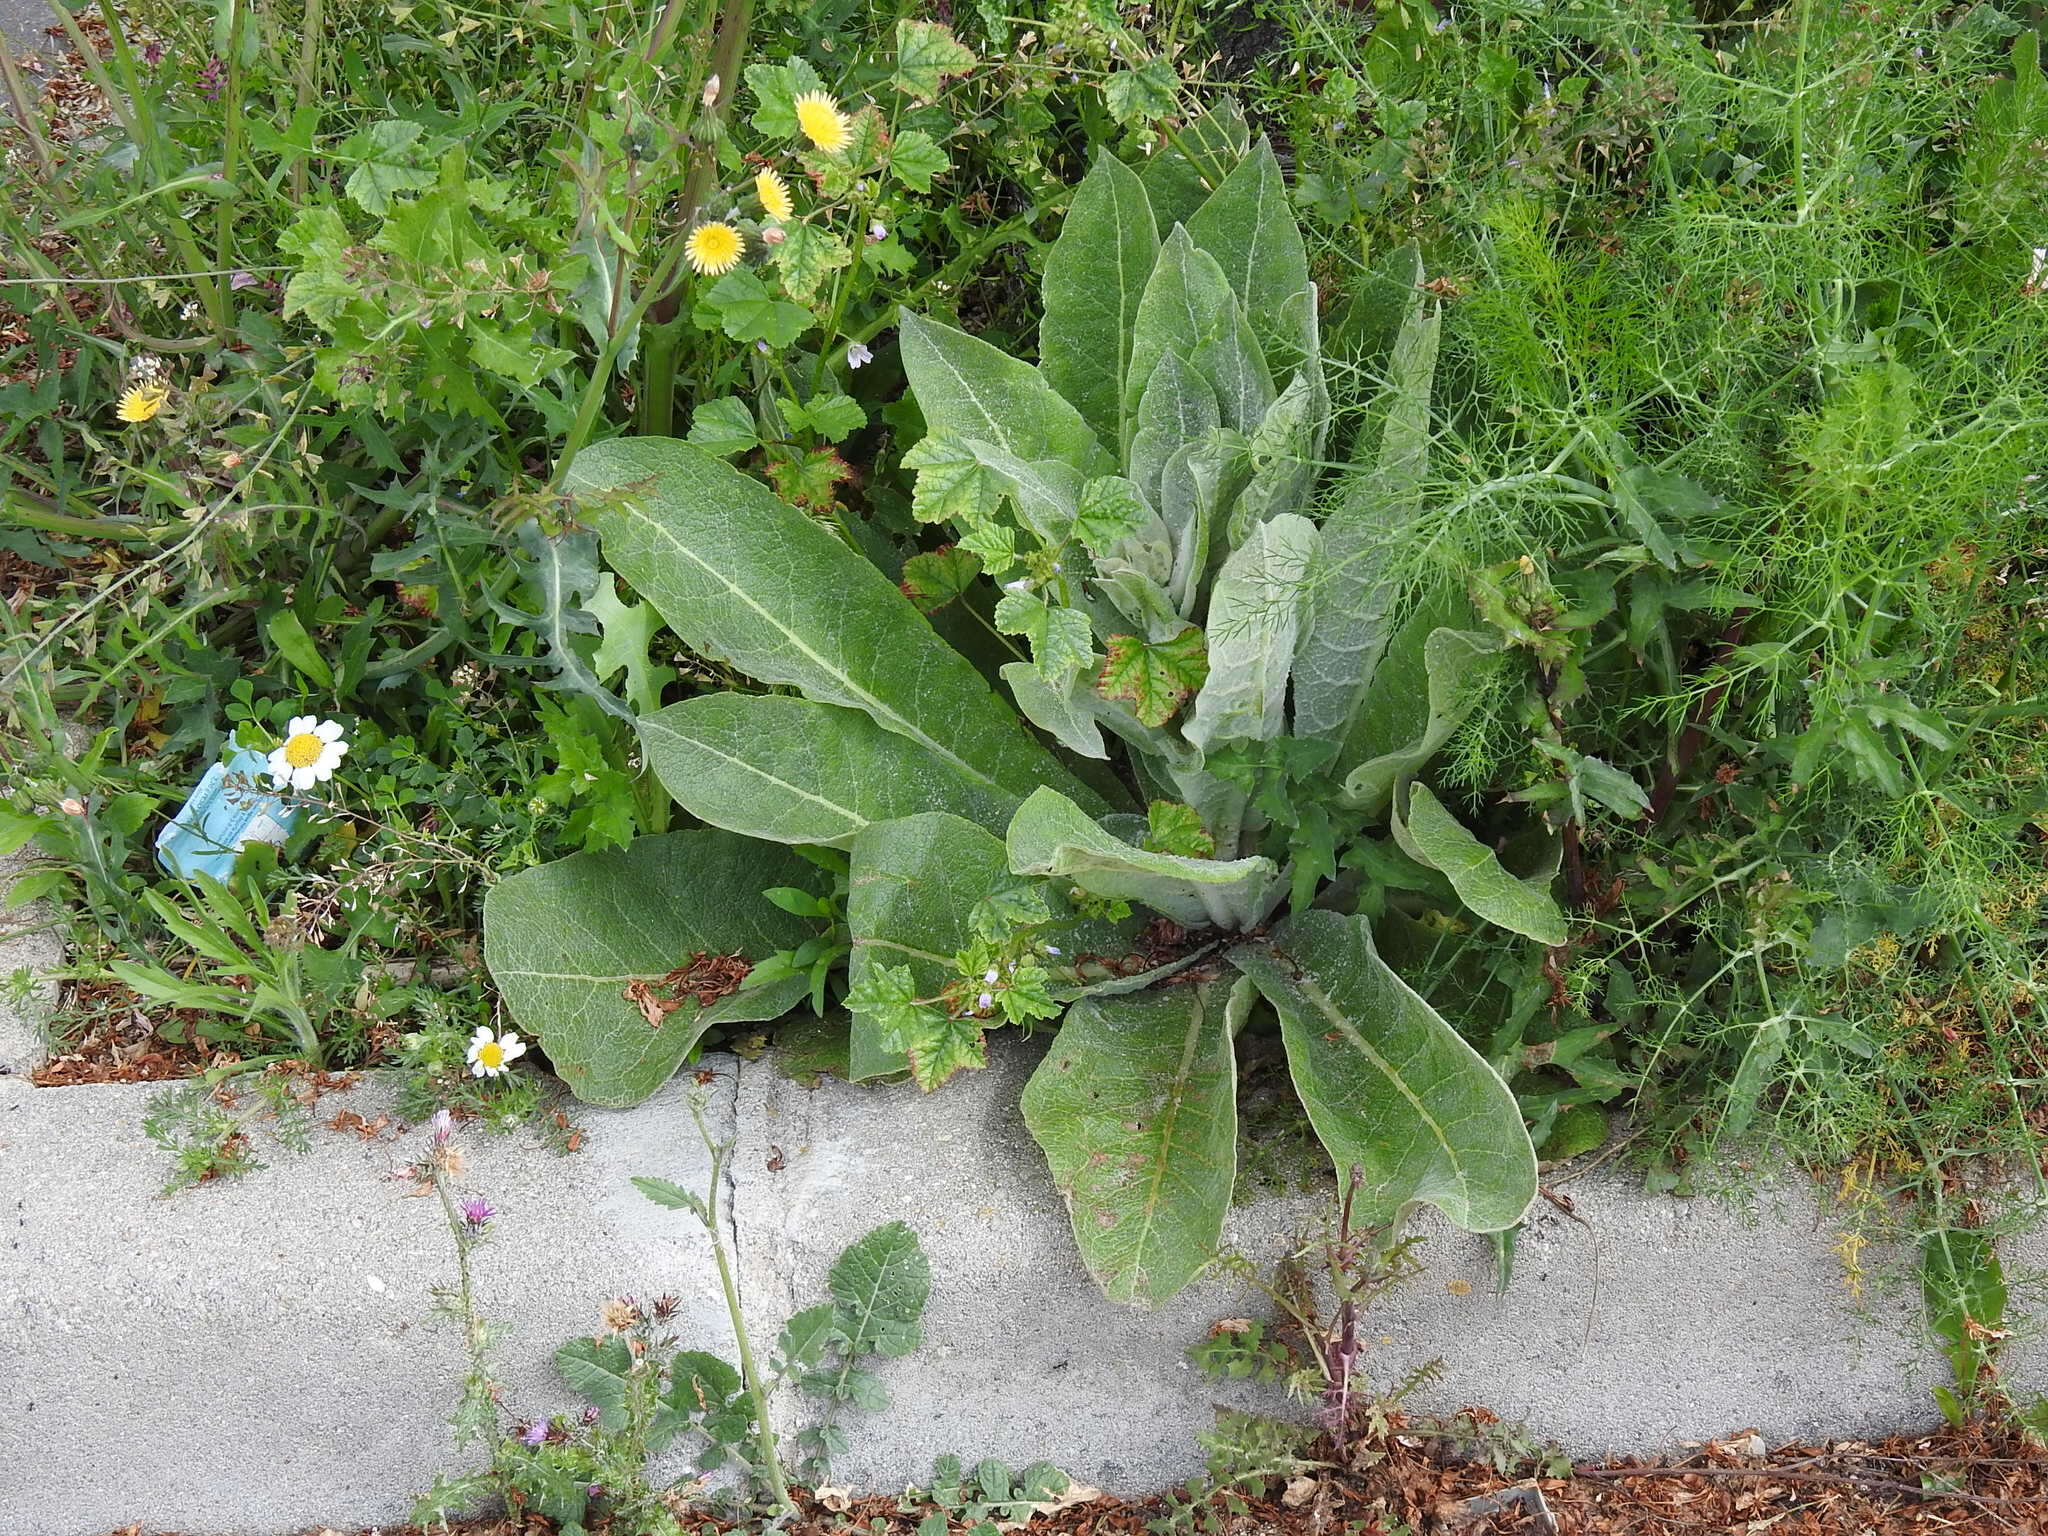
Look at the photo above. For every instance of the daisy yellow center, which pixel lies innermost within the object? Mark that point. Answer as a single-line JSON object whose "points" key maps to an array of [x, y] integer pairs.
{"points": [[822, 122], [303, 750], [491, 1054]]}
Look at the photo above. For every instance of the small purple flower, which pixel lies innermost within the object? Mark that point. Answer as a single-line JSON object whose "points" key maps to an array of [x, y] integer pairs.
{"points": [[595, 1491], [152, 53], [878, 230], [535, 1433], [857, 355], [444, 1127], [590, 1415], [477, 1213], [213, 79], [236, 284]]}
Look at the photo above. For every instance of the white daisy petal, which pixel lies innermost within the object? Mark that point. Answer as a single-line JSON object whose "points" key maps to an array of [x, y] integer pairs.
{"points": [[300, 724], [483, 1033], [514, 1049], [476, 1069], [328, 730]]}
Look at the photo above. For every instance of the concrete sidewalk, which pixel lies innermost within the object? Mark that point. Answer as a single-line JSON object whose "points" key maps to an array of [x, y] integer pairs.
{"points": [[256, 1357], [260, 1356]]}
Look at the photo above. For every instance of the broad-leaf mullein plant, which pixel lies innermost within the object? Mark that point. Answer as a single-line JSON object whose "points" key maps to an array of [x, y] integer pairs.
{"points": [[1173, 822]]}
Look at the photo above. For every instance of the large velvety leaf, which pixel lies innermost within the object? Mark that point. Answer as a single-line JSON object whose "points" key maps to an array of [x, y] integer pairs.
{"points": [[1254, 620], [969, 389], [1094, 278], [1389, 1087], [1248, 226], [1420, 694], [565, 941], [1188, 308], [1053, 836], [1178, 407], [1135, 1106], [1062, 713], [1183, 174], [1431, 835], [738, 573], [914, 882], [1353, 591], [792, 771]]}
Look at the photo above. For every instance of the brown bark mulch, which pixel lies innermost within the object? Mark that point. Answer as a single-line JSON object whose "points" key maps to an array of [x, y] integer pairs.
{"points": [[1987, 1479]]}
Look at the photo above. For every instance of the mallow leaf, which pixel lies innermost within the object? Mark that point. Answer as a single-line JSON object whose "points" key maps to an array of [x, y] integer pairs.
{"points": [[740, 574], [583, 950], [1061, 641], [1156, 676], [1135, 1107], [1050, 835], [1432, 836], [914, 882], [1390, 1088], [879, 1285], [791, 771]]}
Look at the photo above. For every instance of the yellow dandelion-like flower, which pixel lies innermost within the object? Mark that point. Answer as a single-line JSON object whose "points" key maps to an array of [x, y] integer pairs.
{"points": [[142, 402], [713, 249], [773, 192], [822, 122]]}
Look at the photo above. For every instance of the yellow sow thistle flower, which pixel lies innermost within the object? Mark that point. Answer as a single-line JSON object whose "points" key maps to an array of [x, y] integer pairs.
{"points": [[773, 192], [142, 402], [713, 249], [822, 122]]}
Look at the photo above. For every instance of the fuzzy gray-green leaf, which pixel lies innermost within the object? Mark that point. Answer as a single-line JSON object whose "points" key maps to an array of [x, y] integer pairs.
{"points": [[1390, 1088], [792, 771], [1051, 835], [565, 941], [1420, 694], [1431, 835], [1354, 591], [740, 574], [1135, 1107], [1094, 277], [969, 389], [1248, 226], [1254, 621]]}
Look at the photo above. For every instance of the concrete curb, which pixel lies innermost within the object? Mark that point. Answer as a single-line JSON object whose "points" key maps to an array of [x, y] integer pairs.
{"points": [[261, 1356]]}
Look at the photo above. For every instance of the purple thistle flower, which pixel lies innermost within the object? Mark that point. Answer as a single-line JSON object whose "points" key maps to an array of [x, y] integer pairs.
{"points": [[213, 79], [444, 1124], [477, 1213], [535, 1433], [152, 53], [590, 1415]]}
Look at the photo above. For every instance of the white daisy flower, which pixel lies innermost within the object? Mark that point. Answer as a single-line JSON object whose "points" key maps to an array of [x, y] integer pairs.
{"points": [[490, 1054], [312, 750]]}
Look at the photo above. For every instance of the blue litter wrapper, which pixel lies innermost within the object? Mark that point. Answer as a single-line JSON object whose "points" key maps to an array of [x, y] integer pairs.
{"points": [[230, 808]]}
